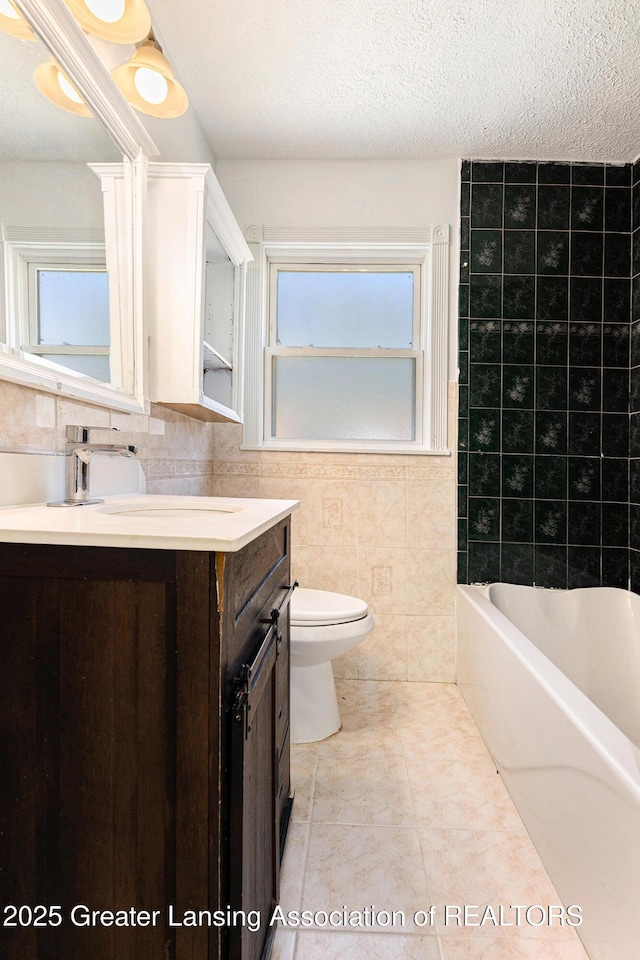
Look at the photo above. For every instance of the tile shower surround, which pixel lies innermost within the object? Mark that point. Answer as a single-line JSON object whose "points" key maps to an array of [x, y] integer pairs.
{"points": [[545, 305], [634, 420]]}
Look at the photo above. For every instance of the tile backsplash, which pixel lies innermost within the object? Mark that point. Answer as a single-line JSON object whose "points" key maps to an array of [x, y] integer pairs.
{"points": [[175, 452], [545, 307], [378, 527]]}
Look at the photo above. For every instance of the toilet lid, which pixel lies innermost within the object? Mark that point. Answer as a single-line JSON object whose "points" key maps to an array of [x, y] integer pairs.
{"points": [[319, 607]]}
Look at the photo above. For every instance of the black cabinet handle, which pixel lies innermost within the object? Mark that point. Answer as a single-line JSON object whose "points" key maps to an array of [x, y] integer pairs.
{"points": [[275, 613]]}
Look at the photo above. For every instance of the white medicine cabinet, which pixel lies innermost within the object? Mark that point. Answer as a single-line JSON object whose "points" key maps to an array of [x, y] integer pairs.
{"points": [[196, 272]]}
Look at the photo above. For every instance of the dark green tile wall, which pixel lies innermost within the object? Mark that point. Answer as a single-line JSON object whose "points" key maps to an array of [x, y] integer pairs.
{"points": [[634, 429], [545, 310]]}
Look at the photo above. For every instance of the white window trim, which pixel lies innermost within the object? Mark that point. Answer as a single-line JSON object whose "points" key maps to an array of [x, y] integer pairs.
{"points": [[430, 248], [24, 260]]}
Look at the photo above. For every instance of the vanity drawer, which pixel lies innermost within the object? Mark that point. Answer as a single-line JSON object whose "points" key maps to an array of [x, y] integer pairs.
{"points": [[255, 583], [253, 569]]}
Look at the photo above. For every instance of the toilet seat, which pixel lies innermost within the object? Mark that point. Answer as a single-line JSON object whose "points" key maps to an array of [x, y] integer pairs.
{"points": [[319, 608]]}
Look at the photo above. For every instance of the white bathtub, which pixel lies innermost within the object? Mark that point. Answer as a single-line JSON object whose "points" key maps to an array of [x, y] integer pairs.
{"points": [[552, 678]]}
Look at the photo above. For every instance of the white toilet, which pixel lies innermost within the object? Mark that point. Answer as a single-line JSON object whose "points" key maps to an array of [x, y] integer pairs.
{"points": [[324, 625]]}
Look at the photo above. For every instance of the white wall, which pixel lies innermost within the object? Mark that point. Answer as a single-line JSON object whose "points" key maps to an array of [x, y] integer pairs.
{"points": [[350, 194], [34, 194]]}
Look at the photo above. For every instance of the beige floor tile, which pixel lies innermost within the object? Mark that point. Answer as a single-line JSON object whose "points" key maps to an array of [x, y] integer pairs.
{"points": [[365, 790], [488, 867], [438, 739], [463, 794], [470, 846], [376, 742], [476, 948], [367, 699], [304, 757], [284, 945], [365, 946], [366, 706], [425, 698], [435, 725], [358, 866], [293, 866]]}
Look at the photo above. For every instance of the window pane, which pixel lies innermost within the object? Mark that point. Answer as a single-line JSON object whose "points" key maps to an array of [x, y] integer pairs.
{"points": [[345, 309], [73, 307], [344, 398], [89, 364]]}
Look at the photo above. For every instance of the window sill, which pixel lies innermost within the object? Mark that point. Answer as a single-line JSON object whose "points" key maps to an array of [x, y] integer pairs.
{"points": [[354, 447]]}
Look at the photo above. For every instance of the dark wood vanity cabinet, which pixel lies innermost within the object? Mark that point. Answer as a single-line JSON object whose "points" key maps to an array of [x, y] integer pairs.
{"points": [[144, 792]]}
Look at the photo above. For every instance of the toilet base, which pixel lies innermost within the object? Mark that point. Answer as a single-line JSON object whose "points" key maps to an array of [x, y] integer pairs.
{"points": [[314, 703]]}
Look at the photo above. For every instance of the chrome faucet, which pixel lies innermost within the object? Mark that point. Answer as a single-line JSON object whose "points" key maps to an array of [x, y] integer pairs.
{"points": [[79, 453]]}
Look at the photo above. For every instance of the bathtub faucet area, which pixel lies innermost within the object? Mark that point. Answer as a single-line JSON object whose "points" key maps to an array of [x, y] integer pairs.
{"points": [[78, 454]]}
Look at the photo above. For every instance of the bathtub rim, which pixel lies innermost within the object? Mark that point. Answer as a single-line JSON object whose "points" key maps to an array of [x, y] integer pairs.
{"points": [[602, 734]]}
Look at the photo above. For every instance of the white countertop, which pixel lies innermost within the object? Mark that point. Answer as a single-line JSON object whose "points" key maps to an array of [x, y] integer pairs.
{"points": [[148, 521]]}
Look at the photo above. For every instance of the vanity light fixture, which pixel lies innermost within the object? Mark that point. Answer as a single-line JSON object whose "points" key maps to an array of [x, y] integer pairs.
{"points": [[148, 83], [12, 21], [51, 81], [119, 21], [146, 80]]}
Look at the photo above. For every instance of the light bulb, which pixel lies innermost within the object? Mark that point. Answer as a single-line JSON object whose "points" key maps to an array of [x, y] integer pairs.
{"points": [[8, 10], [151, 85], [68, 90], [110, 11]]}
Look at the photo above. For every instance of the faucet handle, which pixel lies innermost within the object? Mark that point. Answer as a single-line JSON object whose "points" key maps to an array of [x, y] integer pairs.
{"points": [[76, 434]]}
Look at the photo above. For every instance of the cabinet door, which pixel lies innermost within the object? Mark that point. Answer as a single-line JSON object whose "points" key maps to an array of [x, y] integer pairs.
{"points": [[196, 293], [253, 831], [86, 801]]}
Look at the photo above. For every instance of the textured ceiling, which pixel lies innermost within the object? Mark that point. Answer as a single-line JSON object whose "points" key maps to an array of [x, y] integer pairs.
{"points": [[377, 79]]}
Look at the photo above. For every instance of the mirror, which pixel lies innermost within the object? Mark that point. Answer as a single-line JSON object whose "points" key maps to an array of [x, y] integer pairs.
{"points": [[70, 317]]}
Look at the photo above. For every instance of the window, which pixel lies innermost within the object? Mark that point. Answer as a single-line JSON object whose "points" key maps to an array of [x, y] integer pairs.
{"points": [[342, 363], [352, 353], [59, 305], [68, 316]]}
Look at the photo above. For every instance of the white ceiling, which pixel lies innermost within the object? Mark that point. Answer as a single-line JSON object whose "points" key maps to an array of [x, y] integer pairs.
{"points": [[419, 79]]}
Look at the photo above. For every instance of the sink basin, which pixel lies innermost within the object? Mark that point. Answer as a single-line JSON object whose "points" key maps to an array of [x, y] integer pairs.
{"points": [[166, 512]]}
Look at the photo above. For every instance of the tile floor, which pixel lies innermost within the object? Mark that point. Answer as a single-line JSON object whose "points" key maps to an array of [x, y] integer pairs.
{"points": [[401, 810]]}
